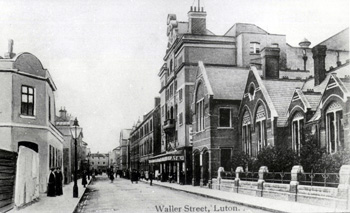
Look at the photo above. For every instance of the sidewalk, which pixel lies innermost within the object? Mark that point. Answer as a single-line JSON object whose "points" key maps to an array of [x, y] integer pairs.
{"points": [[247, 200], [64, 203]]}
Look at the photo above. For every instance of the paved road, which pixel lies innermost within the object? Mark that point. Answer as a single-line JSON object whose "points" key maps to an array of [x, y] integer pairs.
{"points": [[122, 196]]}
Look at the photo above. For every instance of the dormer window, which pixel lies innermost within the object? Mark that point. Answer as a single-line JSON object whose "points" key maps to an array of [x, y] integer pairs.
{"points": [[254, 47]]}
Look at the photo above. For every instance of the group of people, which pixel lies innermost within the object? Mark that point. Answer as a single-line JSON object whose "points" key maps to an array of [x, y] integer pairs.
{"points": [[136, 175], [54, 185]]}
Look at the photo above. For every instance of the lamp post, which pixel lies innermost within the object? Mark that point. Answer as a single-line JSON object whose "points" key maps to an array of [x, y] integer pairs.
{"points": [[75, 131], [304, 44]]}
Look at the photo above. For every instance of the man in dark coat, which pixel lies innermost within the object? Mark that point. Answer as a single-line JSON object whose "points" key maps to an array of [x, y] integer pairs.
{"points": [[51, 184], [59, 178], [83, 179], [150, 176]]}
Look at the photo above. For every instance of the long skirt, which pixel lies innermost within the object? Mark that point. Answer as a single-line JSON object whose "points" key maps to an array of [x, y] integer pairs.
{"points": [[59, 190], [51, 190]]}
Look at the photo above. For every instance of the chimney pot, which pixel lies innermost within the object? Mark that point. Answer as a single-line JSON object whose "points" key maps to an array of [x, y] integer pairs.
{"points": [[9, 53]]}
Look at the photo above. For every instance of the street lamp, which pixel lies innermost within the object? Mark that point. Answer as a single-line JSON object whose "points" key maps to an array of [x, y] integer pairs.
{"points": [[75, 131], [304, 44]]}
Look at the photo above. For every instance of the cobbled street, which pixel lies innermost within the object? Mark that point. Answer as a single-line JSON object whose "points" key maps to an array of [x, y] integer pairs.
{"points": [[123, 196]]}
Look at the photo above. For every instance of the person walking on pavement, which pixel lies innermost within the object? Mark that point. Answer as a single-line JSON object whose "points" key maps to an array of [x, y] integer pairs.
{"points": [[150, 176], [51, 184], [83, 180], [111, 175], [59, 178]]}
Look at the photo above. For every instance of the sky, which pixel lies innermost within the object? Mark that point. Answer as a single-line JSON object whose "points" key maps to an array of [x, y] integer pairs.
{"points": [[104, 55]]}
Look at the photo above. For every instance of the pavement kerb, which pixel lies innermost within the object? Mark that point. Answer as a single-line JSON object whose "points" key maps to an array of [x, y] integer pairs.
{"points": [[217, 198], [82, 195]]}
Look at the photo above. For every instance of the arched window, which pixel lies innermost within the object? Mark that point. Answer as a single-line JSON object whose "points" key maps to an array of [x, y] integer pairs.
{"points": [[251, 91], [334, 128], [171, 66], [246, 133], [199, 108], [297, 131], [260, 122]]}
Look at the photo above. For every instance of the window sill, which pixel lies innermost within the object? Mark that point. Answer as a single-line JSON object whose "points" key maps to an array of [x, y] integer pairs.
{"points": [[27, 116], [254, 53], [220, 127]]}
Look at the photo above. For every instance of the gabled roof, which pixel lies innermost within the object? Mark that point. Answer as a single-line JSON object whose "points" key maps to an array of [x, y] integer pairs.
{"points": [[280, 91], [239, 28], [224, 82], [313, 99]]}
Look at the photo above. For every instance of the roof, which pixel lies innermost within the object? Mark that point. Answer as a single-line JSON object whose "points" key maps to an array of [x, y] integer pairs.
{"points": [[100, 155], [313, 99], [226, 82], [239, 28], [280, 91]]}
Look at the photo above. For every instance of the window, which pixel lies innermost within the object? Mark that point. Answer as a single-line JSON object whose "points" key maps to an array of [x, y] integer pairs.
{"points": [[98, 162], [162, 111], [226, 159], [225, 117], [180, 95], [246, 134], [49, 109], [180, 119], [261, 127], [151, 125], [93, 163], [171, 91], [171, 66], [297, 131], [251, 91], [254, 47], [334, 128], [27, 104], [103, 162], [200, 115]]}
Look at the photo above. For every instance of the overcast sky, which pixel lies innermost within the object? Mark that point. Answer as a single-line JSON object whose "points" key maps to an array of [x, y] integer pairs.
{"points": [[104, 55]]}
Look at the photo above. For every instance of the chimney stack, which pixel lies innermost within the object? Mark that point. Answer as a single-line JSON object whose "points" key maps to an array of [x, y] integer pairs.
{"points": [[197, 21], [9, 54], [270, 62], [63, 113], [319, 56]]}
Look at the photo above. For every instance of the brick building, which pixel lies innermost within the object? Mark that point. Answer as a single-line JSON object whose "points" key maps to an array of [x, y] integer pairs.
{"points": [[145, 140], [188, 43]]}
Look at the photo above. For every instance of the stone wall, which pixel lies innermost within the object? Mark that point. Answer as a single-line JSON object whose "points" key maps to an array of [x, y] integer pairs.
{"points": [[330, 197]]}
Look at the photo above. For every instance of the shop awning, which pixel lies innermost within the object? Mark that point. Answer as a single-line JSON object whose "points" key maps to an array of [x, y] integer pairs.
{"points": [[177, 155]]}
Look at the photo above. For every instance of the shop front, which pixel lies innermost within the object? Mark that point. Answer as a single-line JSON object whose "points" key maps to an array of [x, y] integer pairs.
{"points": [[171, 166]]}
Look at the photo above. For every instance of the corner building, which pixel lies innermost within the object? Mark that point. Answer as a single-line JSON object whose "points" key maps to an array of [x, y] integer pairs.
{"points": [[30, 143]]}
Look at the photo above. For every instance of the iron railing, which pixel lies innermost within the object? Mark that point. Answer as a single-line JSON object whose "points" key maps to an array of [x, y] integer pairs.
{"points": [[319, 179], [278, 177]]}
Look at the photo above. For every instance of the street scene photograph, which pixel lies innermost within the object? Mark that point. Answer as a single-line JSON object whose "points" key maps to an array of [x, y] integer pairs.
{"points": [[152, 106]]}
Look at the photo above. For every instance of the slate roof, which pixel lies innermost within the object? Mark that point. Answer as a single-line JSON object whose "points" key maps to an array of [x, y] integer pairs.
{"points": [[313, 99], [280, 92], [227, 82]]}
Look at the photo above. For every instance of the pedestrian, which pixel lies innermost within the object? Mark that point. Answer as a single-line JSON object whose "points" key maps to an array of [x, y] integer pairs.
{"points": [[111, 175], [59, 178], [51, 184], [150, 176], [83, 180]]}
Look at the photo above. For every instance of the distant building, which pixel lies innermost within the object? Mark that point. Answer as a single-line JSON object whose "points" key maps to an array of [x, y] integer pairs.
{"points": [[30, 144], [64, 122], [124, 149], [145, 140], [99, 161]]}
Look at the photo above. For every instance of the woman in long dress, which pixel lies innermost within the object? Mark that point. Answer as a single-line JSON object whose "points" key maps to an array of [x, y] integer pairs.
{"points": [[83, 179], [51, 184]]}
